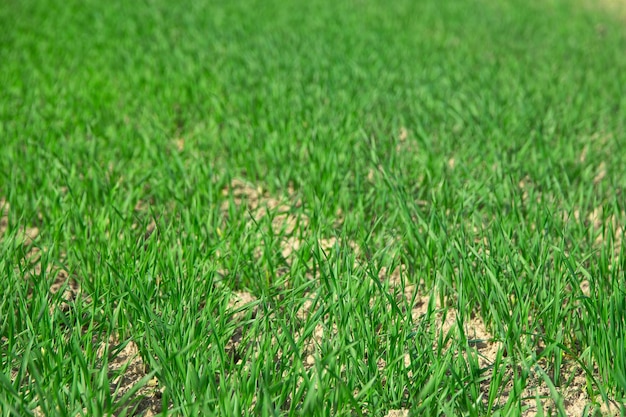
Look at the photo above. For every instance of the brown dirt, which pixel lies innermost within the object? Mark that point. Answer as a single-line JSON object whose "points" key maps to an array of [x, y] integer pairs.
{"points": [[27, 236], [4, 214], [285, 221], [397, 413], [126, 365], [260, 204], [486, 347], [129, 368]]}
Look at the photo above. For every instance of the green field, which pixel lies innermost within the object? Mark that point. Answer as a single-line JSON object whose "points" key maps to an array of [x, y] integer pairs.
{"points": [[316, 208]]}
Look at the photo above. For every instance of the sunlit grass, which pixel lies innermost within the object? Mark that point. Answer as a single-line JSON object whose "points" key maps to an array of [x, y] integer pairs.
{"points": [[363, 171]]}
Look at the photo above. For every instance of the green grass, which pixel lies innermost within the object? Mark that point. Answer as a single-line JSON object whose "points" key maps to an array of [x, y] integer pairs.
{"points": [[476, 146]]}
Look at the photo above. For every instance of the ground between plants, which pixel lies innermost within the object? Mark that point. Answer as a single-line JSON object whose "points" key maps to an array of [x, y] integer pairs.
{"points": [[309, 209]]}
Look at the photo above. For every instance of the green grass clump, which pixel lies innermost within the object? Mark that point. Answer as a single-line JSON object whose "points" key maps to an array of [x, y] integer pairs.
{"points": [[381, 181]]}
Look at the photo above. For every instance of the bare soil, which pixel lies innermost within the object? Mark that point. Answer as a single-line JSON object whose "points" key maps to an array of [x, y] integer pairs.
{"points": [[127, 368]]}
